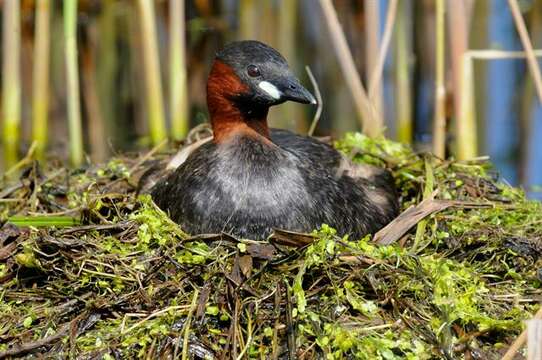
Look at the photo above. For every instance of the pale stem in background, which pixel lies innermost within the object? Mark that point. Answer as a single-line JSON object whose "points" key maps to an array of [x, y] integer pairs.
{"points": [[466, 127], [466, 122], [439, 121], [458, 15], [178, 101], [152, 72], [524, 36], [376, 75], [11, 83], [72, 79], [40, 76], [372, 45], [520, 340], [366, 112], [534, 339], [500, 54]]}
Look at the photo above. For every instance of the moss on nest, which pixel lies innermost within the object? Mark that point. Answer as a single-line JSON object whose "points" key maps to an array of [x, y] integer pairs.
{"points": [[88, 269]]}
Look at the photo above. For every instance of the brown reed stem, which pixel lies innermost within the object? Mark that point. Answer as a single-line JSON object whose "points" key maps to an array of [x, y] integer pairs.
{"points": [[367, 115], [527, 45], [376, 75]]}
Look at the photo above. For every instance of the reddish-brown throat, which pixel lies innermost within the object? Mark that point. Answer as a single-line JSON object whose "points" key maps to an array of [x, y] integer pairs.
{"points": [[230, 110]]}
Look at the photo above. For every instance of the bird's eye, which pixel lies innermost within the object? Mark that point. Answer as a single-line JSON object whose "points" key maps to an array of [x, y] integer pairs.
{"points": [[253, 71]]}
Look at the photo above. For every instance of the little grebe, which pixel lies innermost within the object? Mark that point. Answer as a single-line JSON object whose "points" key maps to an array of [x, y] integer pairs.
{"points": [[251, 179]]}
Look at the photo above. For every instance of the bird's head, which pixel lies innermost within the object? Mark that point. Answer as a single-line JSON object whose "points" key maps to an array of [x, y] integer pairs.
{"points": [[250, 73]]}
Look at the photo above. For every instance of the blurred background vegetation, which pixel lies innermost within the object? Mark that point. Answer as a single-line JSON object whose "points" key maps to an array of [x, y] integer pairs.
{"points": [[84, 80]]}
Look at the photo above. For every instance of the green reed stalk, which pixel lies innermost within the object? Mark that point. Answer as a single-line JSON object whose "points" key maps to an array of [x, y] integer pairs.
{"points": [[152, 72], [43, 221], [40, 76], [72, 78], [439, 120], [402, 75], [11, 83], [178, 101]]}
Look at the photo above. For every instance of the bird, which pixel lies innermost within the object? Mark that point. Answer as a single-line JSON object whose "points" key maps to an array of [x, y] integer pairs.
{"points": [[250, 179]]}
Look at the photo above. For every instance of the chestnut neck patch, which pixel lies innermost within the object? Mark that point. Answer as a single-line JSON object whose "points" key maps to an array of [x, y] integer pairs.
{"points": [[231, 111]]}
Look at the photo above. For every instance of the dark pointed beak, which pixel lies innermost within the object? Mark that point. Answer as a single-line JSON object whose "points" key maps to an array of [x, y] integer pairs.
{"points": [[293, 91]]}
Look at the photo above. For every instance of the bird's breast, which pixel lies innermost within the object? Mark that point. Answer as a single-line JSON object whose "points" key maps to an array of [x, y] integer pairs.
{"points": [[267, 182]]}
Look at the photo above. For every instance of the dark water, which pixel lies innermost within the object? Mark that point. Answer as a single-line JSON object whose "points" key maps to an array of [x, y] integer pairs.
{"points": [[503, 101]]}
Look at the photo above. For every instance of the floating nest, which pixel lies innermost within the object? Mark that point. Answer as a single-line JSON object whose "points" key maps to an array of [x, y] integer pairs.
{"points": [[90, 269]]}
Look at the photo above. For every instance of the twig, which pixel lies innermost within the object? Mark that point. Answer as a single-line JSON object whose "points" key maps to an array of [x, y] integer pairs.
{"points": [[290, 323], [518, 343], [187, 324], [320, 105], [249, 339], [235, 320], [366, 112], [27, 347], [275, 341], [23, 162], [527, 45], [147, 156], [153, 315]]}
